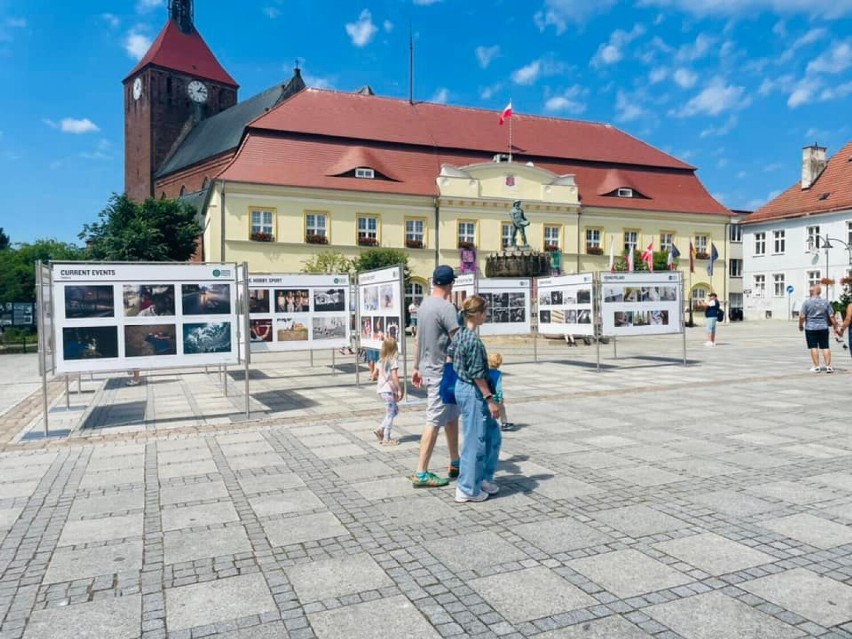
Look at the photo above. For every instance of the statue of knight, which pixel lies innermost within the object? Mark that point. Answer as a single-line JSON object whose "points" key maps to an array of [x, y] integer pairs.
{"points": [[520, 223]]}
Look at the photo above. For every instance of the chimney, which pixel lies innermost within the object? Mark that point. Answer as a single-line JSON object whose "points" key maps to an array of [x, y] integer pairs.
{"points": [[813, 164]]}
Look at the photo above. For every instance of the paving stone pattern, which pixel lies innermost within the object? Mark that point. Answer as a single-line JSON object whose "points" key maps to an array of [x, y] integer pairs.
{"points": [[650, 500]]}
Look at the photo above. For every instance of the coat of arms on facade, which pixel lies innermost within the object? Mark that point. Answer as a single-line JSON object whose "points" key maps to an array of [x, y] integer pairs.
{"points": [[510, 181]]}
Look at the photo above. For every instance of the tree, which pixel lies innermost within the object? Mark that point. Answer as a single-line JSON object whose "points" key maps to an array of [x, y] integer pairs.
{"points": [[4, 240], [155, 230], [328, 262], [660, 262], [381, 258], [17, 267]]}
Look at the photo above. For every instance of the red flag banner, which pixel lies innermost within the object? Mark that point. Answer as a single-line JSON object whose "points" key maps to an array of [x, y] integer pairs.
{"points": [[648, 256], [506, 114]]}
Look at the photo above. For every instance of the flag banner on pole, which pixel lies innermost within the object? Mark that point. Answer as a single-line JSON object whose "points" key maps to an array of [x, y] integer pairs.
{"points": [[673, 255], [648, 256], [611, 255], [691, 257], [630, 259], [506, 114], [714, 255]]}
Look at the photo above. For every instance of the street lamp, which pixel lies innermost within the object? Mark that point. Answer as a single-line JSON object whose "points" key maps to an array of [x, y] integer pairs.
{"points": [[825, 242]]}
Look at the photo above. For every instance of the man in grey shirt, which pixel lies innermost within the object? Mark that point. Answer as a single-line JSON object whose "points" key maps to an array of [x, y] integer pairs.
{"points": [[815, 316], [437, 321]]}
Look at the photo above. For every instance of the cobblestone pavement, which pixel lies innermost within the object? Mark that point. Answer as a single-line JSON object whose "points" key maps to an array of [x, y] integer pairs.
{"points": [[650, 500]]}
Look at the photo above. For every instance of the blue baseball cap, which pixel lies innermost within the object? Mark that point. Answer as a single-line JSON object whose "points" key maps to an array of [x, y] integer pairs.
{"points": [[443, 275]]}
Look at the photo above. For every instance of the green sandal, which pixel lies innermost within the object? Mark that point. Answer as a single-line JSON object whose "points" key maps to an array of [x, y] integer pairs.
{"points": [[430, 481]]}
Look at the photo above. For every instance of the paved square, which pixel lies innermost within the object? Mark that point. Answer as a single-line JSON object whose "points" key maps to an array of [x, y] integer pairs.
{"points": [[320, 580], [714, 554], [117, 618], [103, 529], [68, 564], [808, 529], [474, 552], [731, 502], [609, 628], [627, 573], [638, 521], [290, 501], [296, 530], [561, 535], [820, 599], [181, 546], [397, 617], [202, 515], [214, 601]]}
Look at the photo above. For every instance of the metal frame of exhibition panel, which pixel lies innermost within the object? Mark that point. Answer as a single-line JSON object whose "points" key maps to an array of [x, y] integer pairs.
{"points": [[644, 303], [115, 316], [290, 315], [380, 301]]}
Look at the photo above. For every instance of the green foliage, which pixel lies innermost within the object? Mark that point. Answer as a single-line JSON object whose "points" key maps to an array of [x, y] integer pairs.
{"points": [[155, 230], [16, 335], [381, 258], [660, 262], [17, 267], [4, 240], [328, 262]]}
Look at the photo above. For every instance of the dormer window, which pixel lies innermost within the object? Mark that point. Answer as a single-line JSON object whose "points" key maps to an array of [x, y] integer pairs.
{"points": [[625, 192], [364, 173]]}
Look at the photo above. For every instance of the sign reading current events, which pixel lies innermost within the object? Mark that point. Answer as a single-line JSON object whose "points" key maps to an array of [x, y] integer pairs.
{"points": [[642, 303], [565, 305], [114, 316], [380, 306], [298, 312], [508, 306]]}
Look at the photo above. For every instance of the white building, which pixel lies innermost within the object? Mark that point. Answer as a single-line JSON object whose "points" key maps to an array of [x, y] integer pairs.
{"points": [[802, 237]]}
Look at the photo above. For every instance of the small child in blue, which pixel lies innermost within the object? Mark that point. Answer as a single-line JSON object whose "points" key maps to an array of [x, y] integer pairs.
{"points": [[495, 360]]}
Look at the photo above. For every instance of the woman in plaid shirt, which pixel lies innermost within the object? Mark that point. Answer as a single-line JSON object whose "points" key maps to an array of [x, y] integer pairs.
{"points": [[479, 411]]}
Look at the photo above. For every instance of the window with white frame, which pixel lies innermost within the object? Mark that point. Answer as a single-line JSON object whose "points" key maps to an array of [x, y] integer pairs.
{"points": [[760, 243], [551, 237], [631, 240], [364, 173], [467, 232], [735, 233], [368, 229], [849, 233], [666, 242], [316, 224], [506, 234], [415, 232], [701, 244], [261, 222], [735, 268], [593, 239], [759, 285], [779, 241], [779, 286], [813, 278], [811, 238], [699, 296]]}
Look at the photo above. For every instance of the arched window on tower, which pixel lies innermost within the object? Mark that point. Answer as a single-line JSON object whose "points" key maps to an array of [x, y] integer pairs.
{"points": [[183, 190]]}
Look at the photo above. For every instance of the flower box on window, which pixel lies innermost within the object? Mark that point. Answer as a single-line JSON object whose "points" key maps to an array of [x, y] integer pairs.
{"points": [[414, 244], [702, 255], [846, 280], [551, 248], [368, 241], [827, 281], [466, 245], [262, 237], [316, 239], [594, 250]]}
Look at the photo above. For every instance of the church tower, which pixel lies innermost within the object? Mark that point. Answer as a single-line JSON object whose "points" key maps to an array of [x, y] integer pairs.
{"points": [[177, 83]]}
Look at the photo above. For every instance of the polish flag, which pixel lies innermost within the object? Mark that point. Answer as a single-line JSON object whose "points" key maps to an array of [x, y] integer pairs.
{"points": [[648, 256], [507, 113], [630, 259]]}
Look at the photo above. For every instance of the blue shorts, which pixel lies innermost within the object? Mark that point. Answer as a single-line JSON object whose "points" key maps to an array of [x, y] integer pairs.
{"points": [[711, 325]]}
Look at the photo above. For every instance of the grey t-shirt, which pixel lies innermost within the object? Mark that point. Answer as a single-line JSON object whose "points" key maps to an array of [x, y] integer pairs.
{"points": [[437, 320], [816, 311]]}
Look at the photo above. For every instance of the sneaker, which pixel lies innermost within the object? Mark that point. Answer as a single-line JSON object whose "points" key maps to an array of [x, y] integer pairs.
{"points": [[489, 487], [709, 344], [463, 497], [815, 369], [133, 382], [431, 480], [390, 442], [453, 471], [507, 426], [379, 433], [829, 369]]}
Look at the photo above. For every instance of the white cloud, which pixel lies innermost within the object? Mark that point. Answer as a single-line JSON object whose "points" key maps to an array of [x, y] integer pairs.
{"points": [[569, 101], [833, 9], [426, 3], [658, 74], [804, 92], [835, 92], [685, 78], [111, 20], [272, 12], [613, 51], [9, 24], [16, 23], [486, 54], [137, 44], [774, 166], [528, 74], [147, 5], [697, 50], [387, 25], [627, 108], [836, 59], [783, 83], [486, 93], [722, 129], [315, 81], [559, 13], [742, 175], [73, 125], [363, 30], [716, 98], [441, 96], [102, 151]]}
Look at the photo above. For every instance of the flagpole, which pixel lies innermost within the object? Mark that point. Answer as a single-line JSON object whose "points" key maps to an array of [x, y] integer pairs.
{"points": [[511, 117]]}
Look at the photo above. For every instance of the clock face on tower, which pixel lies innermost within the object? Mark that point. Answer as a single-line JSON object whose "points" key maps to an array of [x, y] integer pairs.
{"points": [[197, 91], [137, 88]]}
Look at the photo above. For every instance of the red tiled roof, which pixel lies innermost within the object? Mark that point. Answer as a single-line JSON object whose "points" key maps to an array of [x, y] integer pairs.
{"points": [[184, 52], [835, 180], [358, 156], [390, 120], [273, 159]]}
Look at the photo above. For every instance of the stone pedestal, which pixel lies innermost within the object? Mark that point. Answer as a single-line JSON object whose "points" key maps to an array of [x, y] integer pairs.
{"points": [[517, 262]]}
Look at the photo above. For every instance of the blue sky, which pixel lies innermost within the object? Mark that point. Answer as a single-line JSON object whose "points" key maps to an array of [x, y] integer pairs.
{"points": [[734, 87]]}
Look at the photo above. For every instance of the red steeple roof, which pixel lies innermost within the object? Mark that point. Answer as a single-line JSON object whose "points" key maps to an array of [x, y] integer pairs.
{"points": [[185, 52]]}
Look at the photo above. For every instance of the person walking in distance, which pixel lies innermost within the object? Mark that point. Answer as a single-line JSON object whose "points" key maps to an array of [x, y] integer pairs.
{"points": [[711, 314], [388, 389], [412, 313], [437, 322], [815, 318]]}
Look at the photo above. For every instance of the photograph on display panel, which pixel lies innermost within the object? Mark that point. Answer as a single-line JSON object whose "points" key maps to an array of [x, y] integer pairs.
{"points": [[259, 300], [386, 296], [209, 337], [90, 342], [260, 330], [150, 340], [392, 327], [378, 328], [370, 299], [206, 299], [290, 329], [367, 327], [329, 328], [89, 301], [329, 300], [150, 300], [292, 300]]}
